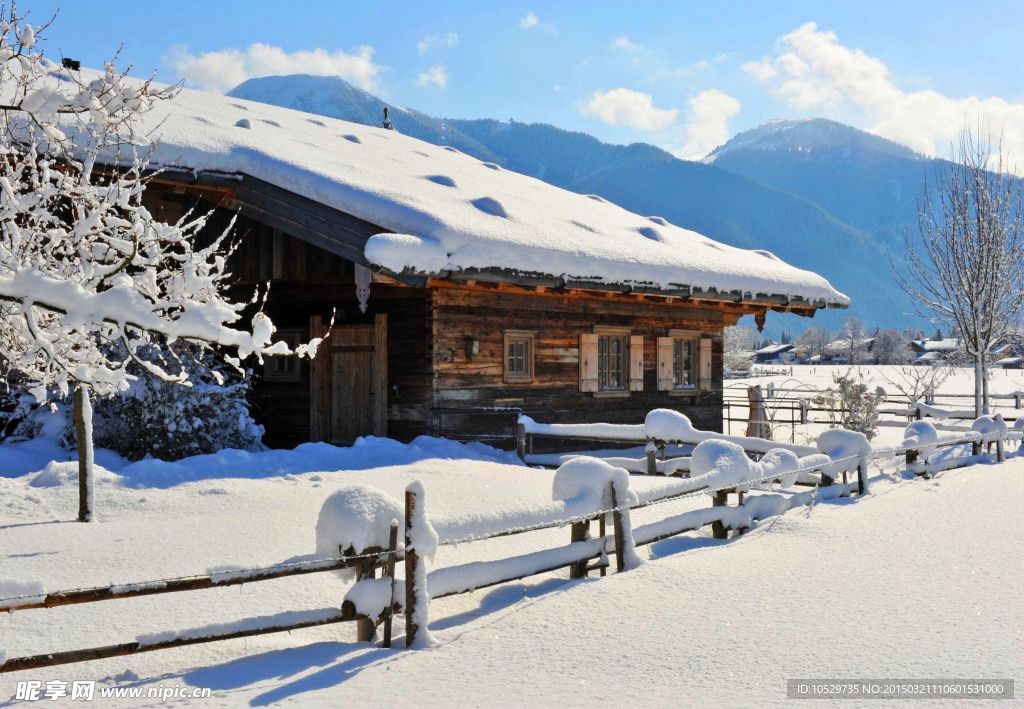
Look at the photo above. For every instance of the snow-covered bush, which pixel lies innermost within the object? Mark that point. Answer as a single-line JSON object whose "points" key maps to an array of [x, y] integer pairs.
{"points": [[851, 404]]}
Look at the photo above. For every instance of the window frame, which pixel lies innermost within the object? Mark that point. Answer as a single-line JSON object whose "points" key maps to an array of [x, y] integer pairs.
{"points": [[693, 336], [529, 338], [623, 334], [288, 375]]}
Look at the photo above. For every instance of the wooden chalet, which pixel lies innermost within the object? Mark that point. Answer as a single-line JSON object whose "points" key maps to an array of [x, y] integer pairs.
{"points": [[452, 351]]}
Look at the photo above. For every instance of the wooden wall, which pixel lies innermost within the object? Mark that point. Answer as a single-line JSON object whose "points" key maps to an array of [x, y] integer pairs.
{"points": [[461, 383]]}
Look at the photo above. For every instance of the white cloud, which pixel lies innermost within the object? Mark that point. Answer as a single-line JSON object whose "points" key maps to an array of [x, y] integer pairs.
{"points": [[626, 107], [707, 124], [530, 21], [437, 41], [223, 70], [814, 71], [624, 44], [434, 76]]}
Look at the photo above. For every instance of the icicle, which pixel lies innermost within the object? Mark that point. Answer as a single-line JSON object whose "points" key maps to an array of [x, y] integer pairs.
{"points": [[363, 277]]}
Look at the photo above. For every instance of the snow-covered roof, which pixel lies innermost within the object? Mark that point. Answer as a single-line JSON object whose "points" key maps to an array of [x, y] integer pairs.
{"points": [[774, 349], [444, 210], [948, 344]]}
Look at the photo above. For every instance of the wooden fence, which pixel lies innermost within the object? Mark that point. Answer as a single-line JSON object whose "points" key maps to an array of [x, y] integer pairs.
{"points": [[582, 556]]}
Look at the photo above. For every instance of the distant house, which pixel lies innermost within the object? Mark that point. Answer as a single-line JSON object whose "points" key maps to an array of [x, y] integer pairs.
{"points": [[775, 354], [460, 292], [1013, 362], [839, 351], [932, 352]]}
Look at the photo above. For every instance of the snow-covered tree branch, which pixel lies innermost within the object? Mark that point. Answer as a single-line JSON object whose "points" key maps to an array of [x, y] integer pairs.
{"points": [[90, 281]]}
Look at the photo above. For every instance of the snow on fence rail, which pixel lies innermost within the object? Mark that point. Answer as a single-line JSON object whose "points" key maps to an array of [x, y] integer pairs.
{"points": [[585, 490]]}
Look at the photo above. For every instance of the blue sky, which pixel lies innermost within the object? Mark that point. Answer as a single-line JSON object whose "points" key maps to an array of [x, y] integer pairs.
{"points": [[680, 75]]}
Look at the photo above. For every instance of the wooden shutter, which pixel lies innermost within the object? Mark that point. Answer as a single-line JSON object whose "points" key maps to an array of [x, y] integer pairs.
{"points": [[636, 362], [588, 361], [665, 377], [705, 363]]}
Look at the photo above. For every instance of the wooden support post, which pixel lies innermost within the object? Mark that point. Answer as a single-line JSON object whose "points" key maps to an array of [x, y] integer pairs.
{"points": [[620, 537], [578, 533], [389, 572], [601, 529], [912, 457], [862, 477], [917, 412], [1000, 450], [83, 437], [521, 441], [652, 458], [976, 448], [411, 564], [826, 480], [1016, 401], [718, 528]]}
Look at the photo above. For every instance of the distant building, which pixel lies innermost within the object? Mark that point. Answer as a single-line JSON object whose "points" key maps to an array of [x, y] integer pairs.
{"points": [[775, 354], [932, 352]]}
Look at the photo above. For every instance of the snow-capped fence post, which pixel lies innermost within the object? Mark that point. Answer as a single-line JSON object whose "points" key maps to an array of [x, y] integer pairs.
{"points": [[651, 452], [364, 625], [718, 528], [1000, 449], [389, 573], [862, 476], [410, 569], [579, 532], [617, 530], [86, 467], [521, 440]]}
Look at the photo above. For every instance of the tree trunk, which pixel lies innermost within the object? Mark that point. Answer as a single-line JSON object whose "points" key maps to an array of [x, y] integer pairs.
{"points": [[979, 376], [985, 406], [83, 436]]}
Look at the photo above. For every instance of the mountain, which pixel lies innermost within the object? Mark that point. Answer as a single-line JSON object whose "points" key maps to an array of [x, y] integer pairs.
{"points": [[866, 181], [336, 98], [728, 197]]}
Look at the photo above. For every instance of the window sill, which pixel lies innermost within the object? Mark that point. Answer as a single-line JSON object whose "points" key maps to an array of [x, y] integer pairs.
{"points": [[518, 380], [683, 392], [611, 394]]}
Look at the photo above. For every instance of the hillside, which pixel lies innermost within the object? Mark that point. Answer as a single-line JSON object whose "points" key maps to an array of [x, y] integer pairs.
{"points": [[725, 198]]}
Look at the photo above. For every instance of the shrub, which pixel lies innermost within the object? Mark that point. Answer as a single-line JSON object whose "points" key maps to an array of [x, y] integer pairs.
{"points": [[850, 404]]}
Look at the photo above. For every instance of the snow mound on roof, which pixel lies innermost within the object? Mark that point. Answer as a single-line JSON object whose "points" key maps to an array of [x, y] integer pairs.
{"points": [[489, 219], [397, 252]]}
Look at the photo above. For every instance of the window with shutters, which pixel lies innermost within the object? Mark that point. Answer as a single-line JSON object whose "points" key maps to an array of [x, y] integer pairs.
{"points": [[518, 356], [684, 362], [611, 362]]}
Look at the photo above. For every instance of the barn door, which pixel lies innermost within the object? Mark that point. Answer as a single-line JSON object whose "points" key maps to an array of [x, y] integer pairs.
{"points": [[348, 382]]}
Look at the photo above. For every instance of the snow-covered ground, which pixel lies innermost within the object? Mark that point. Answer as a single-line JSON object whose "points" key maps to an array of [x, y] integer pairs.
{"points": [[920, 578]]}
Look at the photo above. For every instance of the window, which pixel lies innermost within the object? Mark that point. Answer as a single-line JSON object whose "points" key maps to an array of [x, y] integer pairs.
{"points": [[611, 362], [684, 363], [518, 356], [284, 369]]}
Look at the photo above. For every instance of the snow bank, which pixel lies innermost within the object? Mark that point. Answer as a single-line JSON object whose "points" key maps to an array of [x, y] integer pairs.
{"points": [[15, 592], [63, 474], [356, 517], [371, 596]]}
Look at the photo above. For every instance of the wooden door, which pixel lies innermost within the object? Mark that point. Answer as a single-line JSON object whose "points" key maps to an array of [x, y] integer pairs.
{"points": [[348, 382]]}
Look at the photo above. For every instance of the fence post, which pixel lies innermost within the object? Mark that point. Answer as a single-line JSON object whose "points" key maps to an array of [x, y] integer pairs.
{"points": [[364, 624], [976, 447], [411, 565], [917, 412], [389, 572], [652, 459], [718, 528], [521, 441], [578, 533], [1000, 450], [620, 538], [911, 457], [862, 477], [1016, 401]]}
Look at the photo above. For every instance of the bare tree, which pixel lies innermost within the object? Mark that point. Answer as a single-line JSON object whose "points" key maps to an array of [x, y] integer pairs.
{"points": [[917, 383], [813, 342], [891, 347], [739, 348], [854, 335], [965, 266]]}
